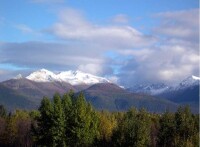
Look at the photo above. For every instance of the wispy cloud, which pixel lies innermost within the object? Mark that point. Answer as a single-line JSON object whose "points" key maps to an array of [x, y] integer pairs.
{"points": [[73, 25], [120, 18], [24, 28], [180, 24]]}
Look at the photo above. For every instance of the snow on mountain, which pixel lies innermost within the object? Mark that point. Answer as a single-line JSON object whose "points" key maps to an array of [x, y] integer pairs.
{"points": [[195, 78], [188, 82], [42, 75], [155, 89], [72, 77], [78, 77], [19, 76], [152, 89]]}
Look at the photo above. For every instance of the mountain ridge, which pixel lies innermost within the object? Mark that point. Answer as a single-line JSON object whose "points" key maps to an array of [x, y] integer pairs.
{"points": [[98, 90], [159, 88], [72, 77]]}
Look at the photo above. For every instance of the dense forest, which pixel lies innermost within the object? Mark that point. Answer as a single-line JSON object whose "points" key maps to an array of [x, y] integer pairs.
{"points": [[69, 120]]}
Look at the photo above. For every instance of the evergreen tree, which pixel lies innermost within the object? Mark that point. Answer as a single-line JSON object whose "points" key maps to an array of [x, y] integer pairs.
{"points": [[107, 124], [195, 137], [185, 126], [167, 131], [83, 124], [130, 127], [134, 130], [58, 122], [42, 131], [125, 131], [67, 108], [142, 128]]}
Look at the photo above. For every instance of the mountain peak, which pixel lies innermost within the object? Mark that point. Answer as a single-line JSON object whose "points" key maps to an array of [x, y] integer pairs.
{"points": [[188, 82], [42, 75], [43, 70], [19, 76], [195, 78], [73, 77], [191, 80]]}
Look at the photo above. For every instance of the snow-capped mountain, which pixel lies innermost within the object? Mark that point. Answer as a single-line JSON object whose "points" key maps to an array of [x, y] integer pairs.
{"points": [[156, 89], [152, 89], [19, 76], [188, 82], [186, 92], [42, 75], [72, 77], [78, 77]]}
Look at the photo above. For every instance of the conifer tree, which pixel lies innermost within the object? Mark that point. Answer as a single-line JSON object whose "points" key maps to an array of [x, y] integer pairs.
{"points": [[67, 108], [185, 126], [43, 129], [58, 122], [167, 130], [134, 130], [83, 123], [125, 131]]}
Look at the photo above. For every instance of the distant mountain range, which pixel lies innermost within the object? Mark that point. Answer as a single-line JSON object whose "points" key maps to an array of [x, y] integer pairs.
{"points": [[158, 88], [27, 92], [186, 92]]}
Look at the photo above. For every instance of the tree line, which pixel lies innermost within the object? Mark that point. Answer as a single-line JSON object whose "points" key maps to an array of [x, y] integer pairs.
{"points": [[69, 120]]}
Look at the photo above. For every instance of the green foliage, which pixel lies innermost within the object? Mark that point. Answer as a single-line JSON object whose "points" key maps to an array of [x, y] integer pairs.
{"points": [[67, 107], [18, 129], [58, 122], [107, 124], [167, 131], [185, 127], [134, 130], [83, 123], [34, 114], [66, 122], [179, 129], [71, 121], [44, 124]]}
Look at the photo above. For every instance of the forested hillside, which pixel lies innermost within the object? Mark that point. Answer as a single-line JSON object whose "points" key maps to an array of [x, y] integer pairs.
{"points": [[69, 120]]}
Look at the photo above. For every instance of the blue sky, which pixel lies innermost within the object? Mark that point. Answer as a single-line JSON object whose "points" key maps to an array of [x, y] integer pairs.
{"points": [[123, 40], [39, 15]]}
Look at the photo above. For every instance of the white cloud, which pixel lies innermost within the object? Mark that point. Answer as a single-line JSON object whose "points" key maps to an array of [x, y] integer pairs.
{"points": [[166, 63], [46, 53], [113, 79], [95, 69], [73, 25], [180, 24], [174, 57]]}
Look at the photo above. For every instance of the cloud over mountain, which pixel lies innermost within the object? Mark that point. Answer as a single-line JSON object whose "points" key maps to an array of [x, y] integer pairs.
{"points": [[169, 52]]}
